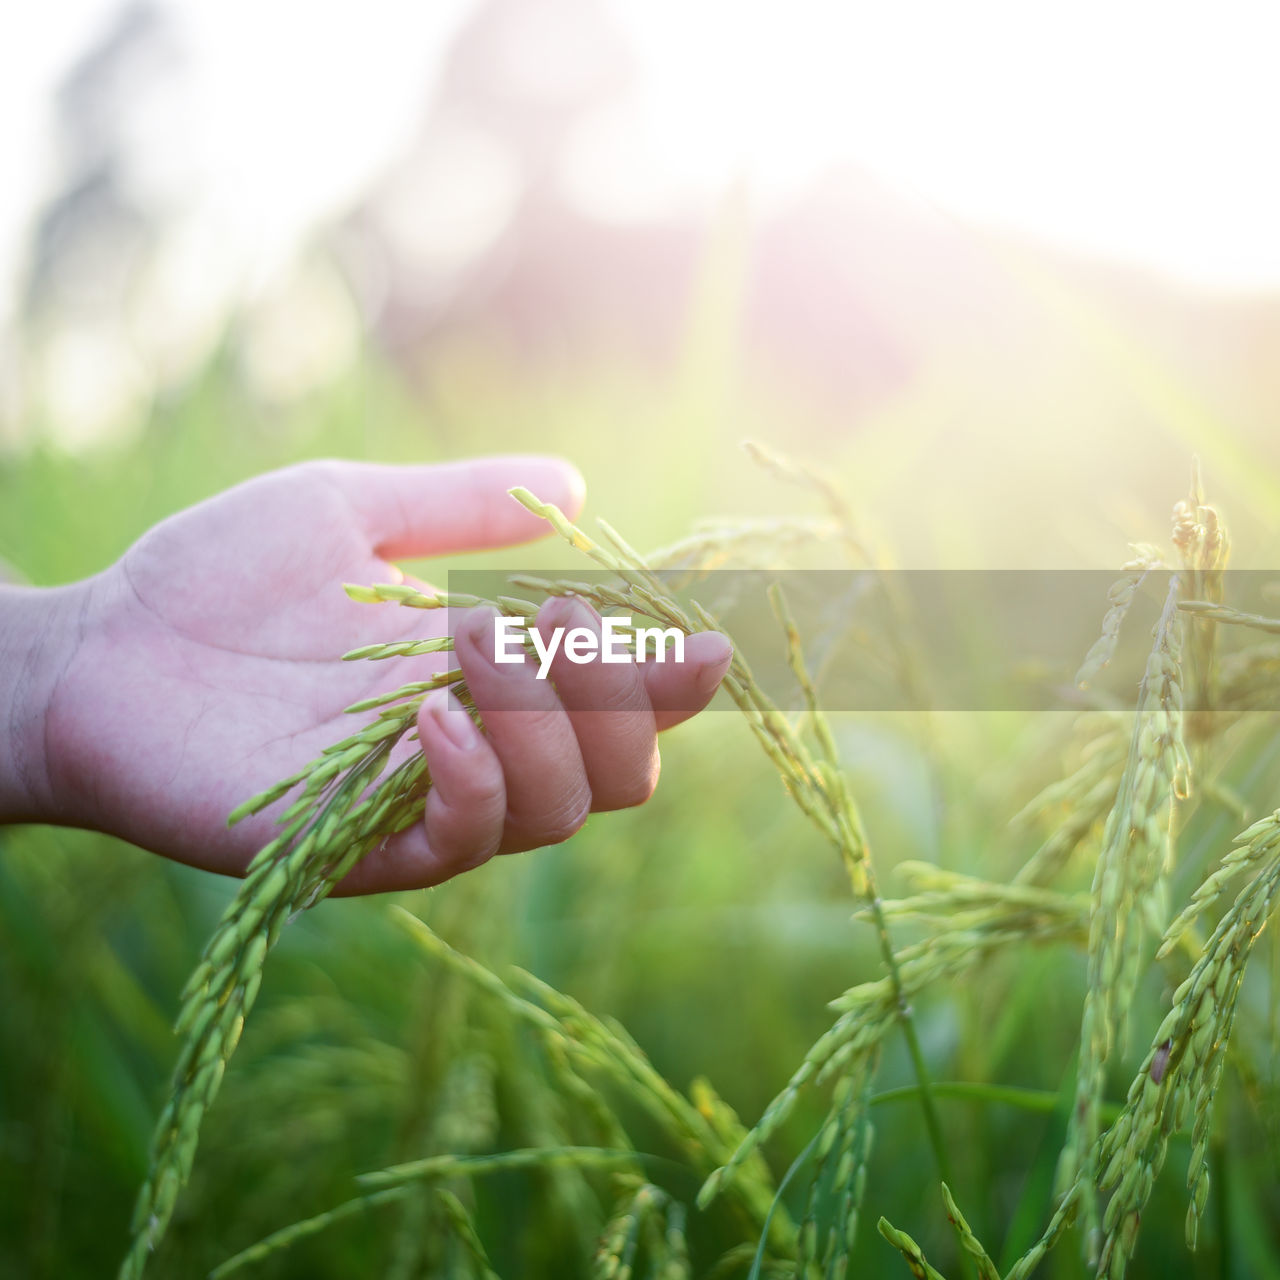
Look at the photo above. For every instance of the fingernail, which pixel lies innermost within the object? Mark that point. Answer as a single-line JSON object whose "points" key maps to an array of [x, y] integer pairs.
{"points": [[452, 721], [569, 611], [498, 639], [717, 652]]}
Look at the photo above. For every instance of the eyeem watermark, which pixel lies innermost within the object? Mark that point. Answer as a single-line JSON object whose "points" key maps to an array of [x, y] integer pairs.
{"points": [[582, 645]]}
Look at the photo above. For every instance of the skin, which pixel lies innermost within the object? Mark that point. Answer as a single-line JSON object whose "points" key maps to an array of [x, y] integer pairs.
{"points": [[150, 700]]}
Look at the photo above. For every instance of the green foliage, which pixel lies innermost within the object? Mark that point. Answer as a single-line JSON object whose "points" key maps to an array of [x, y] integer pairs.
{"points": [[472, 1050]]}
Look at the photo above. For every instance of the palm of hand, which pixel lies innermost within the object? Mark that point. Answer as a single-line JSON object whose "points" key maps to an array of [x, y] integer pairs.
{"points": [[223, 629]]}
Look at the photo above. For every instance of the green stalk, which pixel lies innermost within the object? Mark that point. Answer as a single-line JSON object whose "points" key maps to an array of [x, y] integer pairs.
{"points": [[819, 789]]}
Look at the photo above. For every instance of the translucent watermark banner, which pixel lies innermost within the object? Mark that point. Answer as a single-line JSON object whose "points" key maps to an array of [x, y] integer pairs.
{"points": [[913, 640]]}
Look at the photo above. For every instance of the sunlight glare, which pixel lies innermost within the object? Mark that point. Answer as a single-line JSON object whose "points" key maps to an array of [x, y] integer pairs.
{"points": [[1131, 130]]}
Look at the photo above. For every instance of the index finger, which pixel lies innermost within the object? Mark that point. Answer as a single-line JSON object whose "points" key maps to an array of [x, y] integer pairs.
{"points": [[437, 508]]}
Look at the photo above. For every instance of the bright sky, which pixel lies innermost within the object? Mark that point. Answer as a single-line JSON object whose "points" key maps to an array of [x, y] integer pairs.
{"points": [[282, 113], [1139, 129], [1143, 131]]}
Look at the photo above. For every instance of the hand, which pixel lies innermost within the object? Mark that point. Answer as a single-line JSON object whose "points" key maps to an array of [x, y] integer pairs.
{"points": [[205, 665]]}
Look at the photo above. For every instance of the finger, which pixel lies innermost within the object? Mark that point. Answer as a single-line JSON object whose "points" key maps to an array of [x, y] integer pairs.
{"points": [[679, 690], [608, 706], [467, 804], [457, 506], [465, 808], [548, 797]]}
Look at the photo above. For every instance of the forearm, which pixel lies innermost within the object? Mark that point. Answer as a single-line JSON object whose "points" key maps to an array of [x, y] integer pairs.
{"points": [[40, 630]]}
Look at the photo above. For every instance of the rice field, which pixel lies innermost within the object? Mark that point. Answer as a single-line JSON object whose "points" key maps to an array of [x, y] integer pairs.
{"points": [[753, 1027]]}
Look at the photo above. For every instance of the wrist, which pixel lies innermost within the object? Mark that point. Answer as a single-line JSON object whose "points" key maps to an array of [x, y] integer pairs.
{"points": [[41, 629]]}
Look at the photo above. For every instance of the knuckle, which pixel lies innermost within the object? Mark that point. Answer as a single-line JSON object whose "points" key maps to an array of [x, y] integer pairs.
{"points": [[637, 789], [463, 838], [476, 851], [620, 695], [561, 822], [325, 469], [485, 791], [316, 479]]}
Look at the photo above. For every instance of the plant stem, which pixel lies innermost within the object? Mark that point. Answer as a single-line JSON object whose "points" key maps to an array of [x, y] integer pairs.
{"points": [[924, 1084], [1038, 1100]]}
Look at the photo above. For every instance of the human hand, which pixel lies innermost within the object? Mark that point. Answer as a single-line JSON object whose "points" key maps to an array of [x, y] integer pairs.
{"points": [[206, 664]]}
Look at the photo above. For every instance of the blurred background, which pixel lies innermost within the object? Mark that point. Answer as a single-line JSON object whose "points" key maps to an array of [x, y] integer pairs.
{"points": [[999, 270]]}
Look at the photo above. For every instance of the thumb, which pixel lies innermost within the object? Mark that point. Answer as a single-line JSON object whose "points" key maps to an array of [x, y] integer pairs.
{"points": [[434, 509]]}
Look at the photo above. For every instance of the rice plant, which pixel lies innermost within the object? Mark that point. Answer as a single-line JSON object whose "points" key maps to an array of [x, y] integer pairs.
{"points": [[1116, 815]]}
